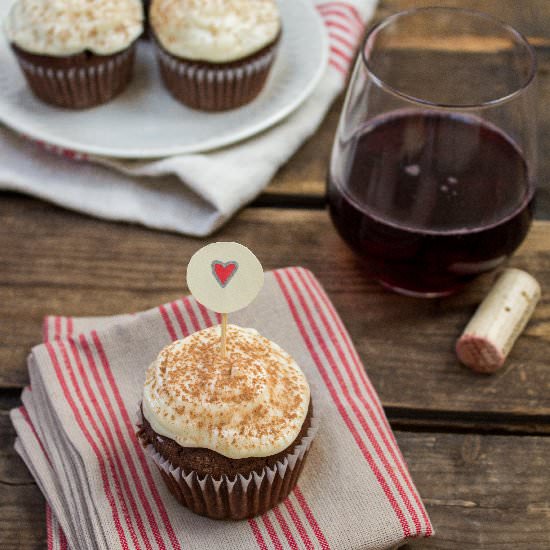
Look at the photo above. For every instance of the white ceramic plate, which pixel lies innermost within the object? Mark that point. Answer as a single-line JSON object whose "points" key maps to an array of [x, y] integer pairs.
{"points": [[146, 122]]}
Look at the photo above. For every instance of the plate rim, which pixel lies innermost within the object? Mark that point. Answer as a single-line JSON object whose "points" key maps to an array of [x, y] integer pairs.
{"points": [[29, 130]]}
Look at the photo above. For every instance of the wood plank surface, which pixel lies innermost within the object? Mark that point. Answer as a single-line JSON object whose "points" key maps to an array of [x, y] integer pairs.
{"points": [[22, 506], [529, 17], [54, 261], [303, 178], [480, 491], [22, 518]]}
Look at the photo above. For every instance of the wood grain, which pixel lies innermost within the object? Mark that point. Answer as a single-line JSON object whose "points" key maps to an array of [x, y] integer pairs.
{"points": [[22, 518], [531, 17], [22, 506], [480, 491], [54, 261], [304, 176], [305, 173], [302, 180]]}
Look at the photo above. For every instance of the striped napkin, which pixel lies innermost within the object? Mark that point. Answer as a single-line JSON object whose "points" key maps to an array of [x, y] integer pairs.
{"points": [[191, 194], [76, 434]]}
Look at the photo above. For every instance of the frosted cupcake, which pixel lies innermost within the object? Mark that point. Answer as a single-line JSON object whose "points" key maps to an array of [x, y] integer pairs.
{"points": [[75, 53], [215, 54], [229, 436]]}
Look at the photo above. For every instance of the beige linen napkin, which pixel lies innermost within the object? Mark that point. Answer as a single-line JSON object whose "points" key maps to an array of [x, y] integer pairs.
{"points": [[76, 432]]}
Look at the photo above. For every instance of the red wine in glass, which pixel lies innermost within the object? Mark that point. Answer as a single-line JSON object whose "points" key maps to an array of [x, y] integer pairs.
{"points": [[431, 199]]}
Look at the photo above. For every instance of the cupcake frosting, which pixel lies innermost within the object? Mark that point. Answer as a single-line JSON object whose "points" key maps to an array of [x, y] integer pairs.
{"points": [[215, 31], [253, 403], [67, 27]]}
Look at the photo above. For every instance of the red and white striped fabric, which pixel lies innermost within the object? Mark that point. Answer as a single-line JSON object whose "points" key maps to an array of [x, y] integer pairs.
{"points": [[76, 434], [345, 25], [176, 193]]}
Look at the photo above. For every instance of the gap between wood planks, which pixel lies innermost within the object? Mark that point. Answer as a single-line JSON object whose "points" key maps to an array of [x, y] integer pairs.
{"points": [[485, 423], [415, 420], [9, 398], [318, 202], [295, 202]]}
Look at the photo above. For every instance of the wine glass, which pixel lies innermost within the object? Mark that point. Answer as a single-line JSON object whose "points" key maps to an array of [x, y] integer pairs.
{"points": [[432, 174]]}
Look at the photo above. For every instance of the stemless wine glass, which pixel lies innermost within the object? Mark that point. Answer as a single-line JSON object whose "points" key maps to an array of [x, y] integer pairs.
{"points": [[432, 173]]}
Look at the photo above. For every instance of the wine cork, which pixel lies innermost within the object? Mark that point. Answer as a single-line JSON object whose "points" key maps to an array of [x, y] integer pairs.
{"points": [[498, 321]]}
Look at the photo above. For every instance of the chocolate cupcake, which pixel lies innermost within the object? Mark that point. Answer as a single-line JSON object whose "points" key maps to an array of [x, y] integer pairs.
{"points": [[229, 436], [75, 53], [215, 55]]}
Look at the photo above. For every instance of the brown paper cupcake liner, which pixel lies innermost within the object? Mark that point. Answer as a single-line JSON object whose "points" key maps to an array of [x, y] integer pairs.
{"points": [[237, 497], [215, 87], [84, 83]]}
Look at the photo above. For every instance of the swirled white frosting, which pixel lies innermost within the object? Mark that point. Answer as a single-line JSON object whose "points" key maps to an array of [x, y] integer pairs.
{"points": [[67, 27], [215, 31], [251, 404]]}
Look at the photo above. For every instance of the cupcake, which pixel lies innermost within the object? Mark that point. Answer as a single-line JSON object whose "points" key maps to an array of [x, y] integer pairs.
{"points": [[75, 53], [229, 436], [215, 55]]}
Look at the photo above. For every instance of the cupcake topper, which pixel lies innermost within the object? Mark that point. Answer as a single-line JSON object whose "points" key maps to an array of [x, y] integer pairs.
{"points": [[224, 277]]}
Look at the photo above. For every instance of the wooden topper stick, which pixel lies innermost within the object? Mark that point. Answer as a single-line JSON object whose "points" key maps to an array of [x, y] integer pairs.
{"points": [[224, 277], [224, 335]]}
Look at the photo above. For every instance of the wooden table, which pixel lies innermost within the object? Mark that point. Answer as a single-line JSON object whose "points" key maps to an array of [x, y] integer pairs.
{"points": [[477, 446]]}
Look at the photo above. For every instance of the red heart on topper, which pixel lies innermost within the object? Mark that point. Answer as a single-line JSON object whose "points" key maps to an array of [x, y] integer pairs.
{"points": [[224, 271]]}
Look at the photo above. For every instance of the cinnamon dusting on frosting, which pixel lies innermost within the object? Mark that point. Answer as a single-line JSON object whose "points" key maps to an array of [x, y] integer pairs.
{"points": [[253, 403], [215, 31], [68, 27]]}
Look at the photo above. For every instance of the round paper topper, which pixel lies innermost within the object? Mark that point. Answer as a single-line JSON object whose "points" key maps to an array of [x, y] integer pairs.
{"points": [[224, 277]]}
